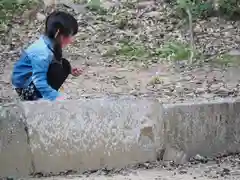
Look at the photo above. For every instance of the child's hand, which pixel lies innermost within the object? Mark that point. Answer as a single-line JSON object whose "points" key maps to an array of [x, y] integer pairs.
{"points": [[76, 72], [60, 98]]}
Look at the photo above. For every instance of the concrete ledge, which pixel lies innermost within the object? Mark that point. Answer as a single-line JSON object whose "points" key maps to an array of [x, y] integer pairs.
{"points": [[91, 134], [205, 128], [112, 132], [15, 155]]}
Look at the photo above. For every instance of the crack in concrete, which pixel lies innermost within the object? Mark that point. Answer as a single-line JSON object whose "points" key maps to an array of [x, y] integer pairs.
{"points": [[33, 169]]}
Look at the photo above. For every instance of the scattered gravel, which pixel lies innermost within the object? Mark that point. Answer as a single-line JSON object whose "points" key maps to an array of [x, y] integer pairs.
{"points": [[203, 168]]}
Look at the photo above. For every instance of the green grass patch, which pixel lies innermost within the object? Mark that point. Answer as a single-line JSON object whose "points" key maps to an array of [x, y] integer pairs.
{"points": [[96, 6], [171, 51], [174, 51], [227, 60], [129, 51], [12, 8]]}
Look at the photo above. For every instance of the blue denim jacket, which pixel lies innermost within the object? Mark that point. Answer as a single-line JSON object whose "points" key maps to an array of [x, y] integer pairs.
{"points": [[33, 66]]}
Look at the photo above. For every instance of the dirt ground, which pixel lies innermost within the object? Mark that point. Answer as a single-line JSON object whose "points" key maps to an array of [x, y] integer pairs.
{"points": [[155, 174], [129, 73], [223, 168], [167, 84]]}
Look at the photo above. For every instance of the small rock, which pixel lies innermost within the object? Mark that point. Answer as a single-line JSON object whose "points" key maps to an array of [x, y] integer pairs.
{"points": [[175, 155], [108, 5], [226, 170], [144, 4], [40, 17], [198, 29], [153, 14], [200, 159], [200, 90], [183, 172], [224, 92], [207, 95], [234, 53], [215, 87], [134, 92], [116, 77]]}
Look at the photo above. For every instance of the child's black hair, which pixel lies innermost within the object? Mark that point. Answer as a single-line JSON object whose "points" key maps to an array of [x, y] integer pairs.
{"points": [[60, 23]]}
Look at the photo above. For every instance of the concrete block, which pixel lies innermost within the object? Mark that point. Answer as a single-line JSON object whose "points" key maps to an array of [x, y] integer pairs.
{"points": [[112, 132], [15, 155], [202, 128], [91, 134]]}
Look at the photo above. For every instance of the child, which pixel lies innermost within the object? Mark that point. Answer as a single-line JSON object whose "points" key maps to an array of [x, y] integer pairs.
{"points": [[41, 70]]}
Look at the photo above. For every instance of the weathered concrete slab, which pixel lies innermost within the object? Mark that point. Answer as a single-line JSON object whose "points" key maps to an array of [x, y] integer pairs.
{"points": [[203, 128], [91, 134], [112, 132], [15, 159]]}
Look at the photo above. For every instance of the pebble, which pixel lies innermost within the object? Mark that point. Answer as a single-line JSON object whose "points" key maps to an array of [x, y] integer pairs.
{"points": [[40, 17], [144, 4], [153, 14]]}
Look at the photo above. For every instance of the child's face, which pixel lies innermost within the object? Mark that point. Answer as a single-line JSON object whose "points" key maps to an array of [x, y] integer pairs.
{"points": [[66, 41]]}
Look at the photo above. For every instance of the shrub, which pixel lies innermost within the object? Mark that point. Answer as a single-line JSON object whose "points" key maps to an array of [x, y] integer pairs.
{"points": [[229, 9], [199, 8], [11, 8]]}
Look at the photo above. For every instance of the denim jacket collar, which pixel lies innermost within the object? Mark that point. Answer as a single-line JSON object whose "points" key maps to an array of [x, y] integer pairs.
{"points": [[47, 41]]}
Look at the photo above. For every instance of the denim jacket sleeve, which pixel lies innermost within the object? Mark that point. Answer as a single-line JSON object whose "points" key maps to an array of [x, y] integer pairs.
{"points": [[40, 63]]}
